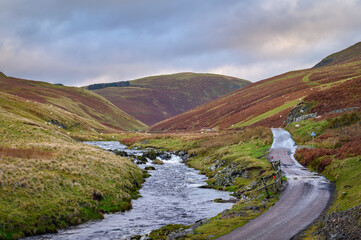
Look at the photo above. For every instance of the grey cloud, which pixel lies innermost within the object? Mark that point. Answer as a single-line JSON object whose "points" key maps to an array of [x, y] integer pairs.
{"points": [[87, 41]]}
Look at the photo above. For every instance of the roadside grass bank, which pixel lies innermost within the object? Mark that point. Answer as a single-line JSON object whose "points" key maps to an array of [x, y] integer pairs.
{"points": [[50, 181], [337, 156], [232, 161]]}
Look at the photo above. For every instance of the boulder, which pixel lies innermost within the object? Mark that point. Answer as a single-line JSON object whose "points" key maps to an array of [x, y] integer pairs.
{"points": [[199, 223], [152, 155], [228, 175], [181, 233], [140, 160], [158, 162], [149, 168]]}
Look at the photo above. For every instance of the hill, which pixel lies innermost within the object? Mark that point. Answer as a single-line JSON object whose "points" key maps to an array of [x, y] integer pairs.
{"points": [[47, 179], [268, 103], [71, 107], [156, 98], [350, 54]]}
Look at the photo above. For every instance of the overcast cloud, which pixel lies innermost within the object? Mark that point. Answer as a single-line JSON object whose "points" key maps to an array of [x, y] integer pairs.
{"points": [[82, 42]]}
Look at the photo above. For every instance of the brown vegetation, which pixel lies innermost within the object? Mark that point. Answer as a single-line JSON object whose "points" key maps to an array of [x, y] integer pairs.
{"points": [[269, 101], [27, 153], [156, 98], [336, 143], [341, 96]]}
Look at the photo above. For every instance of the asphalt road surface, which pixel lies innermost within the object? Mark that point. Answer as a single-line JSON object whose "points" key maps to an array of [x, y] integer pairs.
{"points": [[304, 199]]}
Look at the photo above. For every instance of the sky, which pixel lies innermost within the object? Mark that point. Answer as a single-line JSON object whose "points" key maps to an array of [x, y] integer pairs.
{"points": [[83, 42]]}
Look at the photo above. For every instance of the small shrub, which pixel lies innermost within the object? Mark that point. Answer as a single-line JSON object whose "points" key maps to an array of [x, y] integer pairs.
{"points": [[344, 120]]}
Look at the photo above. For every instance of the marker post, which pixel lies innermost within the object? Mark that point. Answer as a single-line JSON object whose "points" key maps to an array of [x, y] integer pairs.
{"points": [[313, 134]]}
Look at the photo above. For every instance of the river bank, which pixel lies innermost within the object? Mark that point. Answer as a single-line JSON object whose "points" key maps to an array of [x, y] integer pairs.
{"points": [[170, 195], [233, 161], [49, 181]]}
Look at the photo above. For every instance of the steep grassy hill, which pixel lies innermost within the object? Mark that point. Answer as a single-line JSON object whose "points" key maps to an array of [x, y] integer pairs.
{"points": [[156, 98], [88, 109], [269, 102], [350, 54], [48, 180]]}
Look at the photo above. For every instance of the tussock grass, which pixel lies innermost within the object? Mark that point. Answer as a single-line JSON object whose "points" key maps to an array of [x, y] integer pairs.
{"points": [[47, 179]]}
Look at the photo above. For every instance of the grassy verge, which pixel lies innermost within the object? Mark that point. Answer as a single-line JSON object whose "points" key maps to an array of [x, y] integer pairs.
{"points": [[337, 155], [233, 161]]}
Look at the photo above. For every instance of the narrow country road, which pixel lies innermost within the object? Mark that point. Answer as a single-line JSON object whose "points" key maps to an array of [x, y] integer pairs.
{"points": [[304, 199]]}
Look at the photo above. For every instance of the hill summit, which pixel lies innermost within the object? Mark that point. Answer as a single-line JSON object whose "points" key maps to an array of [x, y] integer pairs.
{"points": [[153, 99], [350, 54]]}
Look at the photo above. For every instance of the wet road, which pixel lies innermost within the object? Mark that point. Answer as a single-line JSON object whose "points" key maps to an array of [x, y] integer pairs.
{"points": [[304, 199]]}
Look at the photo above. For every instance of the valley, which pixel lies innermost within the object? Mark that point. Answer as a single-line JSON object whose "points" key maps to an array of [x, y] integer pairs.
{"points": [[156, 98], [215, 125]]}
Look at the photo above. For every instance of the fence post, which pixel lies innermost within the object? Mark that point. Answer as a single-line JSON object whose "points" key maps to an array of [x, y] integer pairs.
{"points": [[264, 184], [275, 182]]}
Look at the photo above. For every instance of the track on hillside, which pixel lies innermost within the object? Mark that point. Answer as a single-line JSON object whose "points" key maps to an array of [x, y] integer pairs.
{"points": [[304, 199]]}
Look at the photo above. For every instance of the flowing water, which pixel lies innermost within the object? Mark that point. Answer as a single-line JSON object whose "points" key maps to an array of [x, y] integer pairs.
{"points": [[170, 195]]}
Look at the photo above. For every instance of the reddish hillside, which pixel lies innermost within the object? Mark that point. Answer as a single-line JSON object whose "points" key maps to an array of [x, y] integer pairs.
{"points": [[156, 98], [81, 102], [269, 102]]}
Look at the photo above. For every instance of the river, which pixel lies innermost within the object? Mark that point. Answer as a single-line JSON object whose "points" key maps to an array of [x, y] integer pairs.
{"points": [[171, 195]]}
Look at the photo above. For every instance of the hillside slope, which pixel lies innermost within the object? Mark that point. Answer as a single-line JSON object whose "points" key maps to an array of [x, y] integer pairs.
{"points": [[268, 102], [156, 98], [350, 54], [86, 107], [47, 179]]}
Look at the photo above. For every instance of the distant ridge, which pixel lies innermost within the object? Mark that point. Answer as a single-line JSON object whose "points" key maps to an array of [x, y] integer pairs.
{"points": [[95, 111], [308, 93], [153, 99], [349, 54]]}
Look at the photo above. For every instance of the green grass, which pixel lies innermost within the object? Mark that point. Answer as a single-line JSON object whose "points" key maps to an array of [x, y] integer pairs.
{"points": [[218, 228], [227, 221], [302, 134], [347, 175], [332, 84], [306, 78], [267, 114], [47, 178]]}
